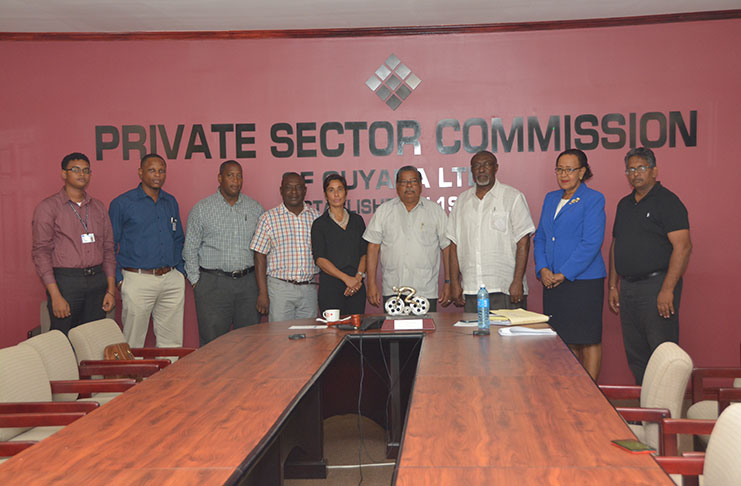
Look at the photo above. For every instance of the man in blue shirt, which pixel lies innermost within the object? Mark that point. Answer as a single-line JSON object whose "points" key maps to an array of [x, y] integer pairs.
{"points": [[148, 237]]}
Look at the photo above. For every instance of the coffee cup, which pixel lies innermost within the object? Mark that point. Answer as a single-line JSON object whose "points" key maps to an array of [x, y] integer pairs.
{"points": [[331, 315]]}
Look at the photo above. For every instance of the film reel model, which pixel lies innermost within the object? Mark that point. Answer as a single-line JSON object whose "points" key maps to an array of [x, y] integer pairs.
{"points": [[406, 302]]}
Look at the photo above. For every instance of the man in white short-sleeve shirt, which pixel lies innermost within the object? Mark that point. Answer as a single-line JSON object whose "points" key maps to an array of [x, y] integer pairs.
{"points": [[489, 229], [409, 233]]}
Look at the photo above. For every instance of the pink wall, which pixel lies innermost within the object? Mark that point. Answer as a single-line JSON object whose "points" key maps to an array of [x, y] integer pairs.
{"points": [[55, 94]]}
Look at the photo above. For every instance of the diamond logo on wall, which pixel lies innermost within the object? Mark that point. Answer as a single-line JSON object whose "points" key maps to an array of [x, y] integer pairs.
{"points": [[393, 82]]}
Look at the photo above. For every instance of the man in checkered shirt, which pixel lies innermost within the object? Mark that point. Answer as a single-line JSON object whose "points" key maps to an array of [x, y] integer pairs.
{"points": [[218, 260], [284, 265]]}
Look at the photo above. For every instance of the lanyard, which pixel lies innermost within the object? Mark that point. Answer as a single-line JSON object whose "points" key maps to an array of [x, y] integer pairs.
{"points": [[87, 213]]}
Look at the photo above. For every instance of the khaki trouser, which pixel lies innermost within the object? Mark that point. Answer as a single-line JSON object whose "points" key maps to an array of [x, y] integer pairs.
{"points": [[160, 296]]}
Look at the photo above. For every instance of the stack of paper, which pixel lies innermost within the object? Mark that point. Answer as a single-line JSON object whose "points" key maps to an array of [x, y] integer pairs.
{"points": [[515, 317], [525, 331]]}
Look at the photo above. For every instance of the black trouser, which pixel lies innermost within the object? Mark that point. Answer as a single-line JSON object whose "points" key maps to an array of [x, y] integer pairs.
{"points": [[83, 293], [643, 328], [223, 302]]}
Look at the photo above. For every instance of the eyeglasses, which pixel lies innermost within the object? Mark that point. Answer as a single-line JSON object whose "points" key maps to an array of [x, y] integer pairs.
{"points": [[78, 170], [640, 168], [408, 182], [565, 170]]}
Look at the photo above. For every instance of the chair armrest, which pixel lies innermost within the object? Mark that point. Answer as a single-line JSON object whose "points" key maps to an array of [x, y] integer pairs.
{"points": [[155, 352], [621, 391], [672, 427], [161, 363], [656, 415], [38, 419], [686, 466], [50, 407], [92, 386], [12, 448], [700, 374], [726, 396], [118, 368]]}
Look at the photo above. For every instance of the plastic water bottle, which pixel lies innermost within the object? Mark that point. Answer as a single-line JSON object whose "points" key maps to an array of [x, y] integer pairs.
{"points": [[482, 303]]}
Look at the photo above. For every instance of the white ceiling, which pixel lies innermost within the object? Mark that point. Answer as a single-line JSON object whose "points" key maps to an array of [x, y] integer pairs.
{"points": [[223, 15]]}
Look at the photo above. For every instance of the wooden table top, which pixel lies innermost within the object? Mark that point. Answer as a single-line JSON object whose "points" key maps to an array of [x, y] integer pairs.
{"points": [[493, 410]]}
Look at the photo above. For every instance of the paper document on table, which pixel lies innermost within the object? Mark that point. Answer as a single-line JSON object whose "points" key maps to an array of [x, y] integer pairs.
{"points": [[515, 317], [464, 323], [308, 327], [525, 331]]}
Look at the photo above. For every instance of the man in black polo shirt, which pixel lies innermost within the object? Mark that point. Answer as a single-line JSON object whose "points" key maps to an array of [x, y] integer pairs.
{"points": [[649, 253]]}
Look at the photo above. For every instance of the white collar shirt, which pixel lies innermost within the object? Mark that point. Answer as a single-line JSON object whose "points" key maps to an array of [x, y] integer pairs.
{"points": [[486, 232], [411, 242]]}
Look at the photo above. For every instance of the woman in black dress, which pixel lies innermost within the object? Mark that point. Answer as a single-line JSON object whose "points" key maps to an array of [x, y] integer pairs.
{"points": [[339, 251]]}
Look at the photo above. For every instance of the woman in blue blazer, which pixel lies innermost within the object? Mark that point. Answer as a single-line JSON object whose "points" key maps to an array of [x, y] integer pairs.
{"points": [[568, 259]]}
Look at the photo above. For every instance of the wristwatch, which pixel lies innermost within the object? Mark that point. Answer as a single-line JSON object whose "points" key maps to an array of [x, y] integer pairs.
{"points": [[362, 274]]}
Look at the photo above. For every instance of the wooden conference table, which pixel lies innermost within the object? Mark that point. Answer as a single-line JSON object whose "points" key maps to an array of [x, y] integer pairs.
{"points": [[481, 411]]}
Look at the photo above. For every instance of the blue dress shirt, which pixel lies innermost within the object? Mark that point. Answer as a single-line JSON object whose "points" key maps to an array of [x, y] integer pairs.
{"points": [[146, 234], [571, 243]]}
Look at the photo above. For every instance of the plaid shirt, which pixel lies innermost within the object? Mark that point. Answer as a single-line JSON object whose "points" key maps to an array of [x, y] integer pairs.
{"points": [[219, 234], [286, 239]]}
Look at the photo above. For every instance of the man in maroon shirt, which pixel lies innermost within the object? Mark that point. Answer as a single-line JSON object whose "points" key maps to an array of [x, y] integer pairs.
{"points": [[73, 250]]}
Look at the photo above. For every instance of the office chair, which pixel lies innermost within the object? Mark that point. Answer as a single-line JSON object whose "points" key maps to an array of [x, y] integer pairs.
{"points": [[60, 363], [661, 393], [90, 340], [720, 465], [27, 412], [705, 400]]}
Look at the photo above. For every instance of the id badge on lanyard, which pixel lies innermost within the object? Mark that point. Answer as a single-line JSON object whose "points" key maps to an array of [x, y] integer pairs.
{"points": [[86, 237]]}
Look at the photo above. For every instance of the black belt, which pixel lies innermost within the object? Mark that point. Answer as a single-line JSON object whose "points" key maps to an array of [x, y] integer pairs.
{"points": [[235, 274], [296, 282], [645, 276], [79, 272]]}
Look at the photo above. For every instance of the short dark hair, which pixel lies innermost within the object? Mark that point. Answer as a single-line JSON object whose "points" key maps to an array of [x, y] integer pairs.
{"points": [[645, 153], [74, 156], [487, 153], [152, 156], [226, 164], [291, 174], [581, 157], [334, 177], [408, 168]]}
